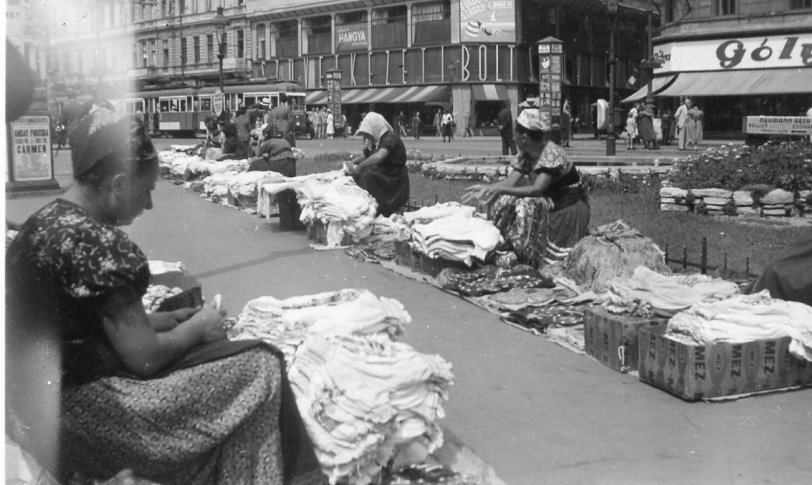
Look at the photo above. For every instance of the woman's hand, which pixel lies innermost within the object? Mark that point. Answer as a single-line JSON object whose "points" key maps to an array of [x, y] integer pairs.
{"points": [[210, 323], [482, 194], [165, 321]]}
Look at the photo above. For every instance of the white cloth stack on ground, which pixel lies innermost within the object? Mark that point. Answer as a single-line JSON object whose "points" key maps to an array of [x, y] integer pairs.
{"points": [[246, 184], [430, 213], [745, 318], [663, 295], [457, 237], [361, 394], [176, 161], [334, 199]]}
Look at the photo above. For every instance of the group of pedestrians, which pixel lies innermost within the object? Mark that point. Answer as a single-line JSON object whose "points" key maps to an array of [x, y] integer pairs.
{"points": [[689, 126], [685, 125], [324, 123]]}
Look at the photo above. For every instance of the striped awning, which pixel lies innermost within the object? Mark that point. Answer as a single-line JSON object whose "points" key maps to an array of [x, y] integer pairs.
{"points": [[414, 94], [743, 82], [489, 92], [657, 85], [316, 97]]}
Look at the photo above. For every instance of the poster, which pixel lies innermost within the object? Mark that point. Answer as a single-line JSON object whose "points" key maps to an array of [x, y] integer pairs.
{"points": [[351, 37], [487, 21], [778, 125], [31, 149]]}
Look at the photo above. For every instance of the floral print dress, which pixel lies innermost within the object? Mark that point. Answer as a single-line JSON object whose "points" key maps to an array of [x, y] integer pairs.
{"points": [[216, 422]]}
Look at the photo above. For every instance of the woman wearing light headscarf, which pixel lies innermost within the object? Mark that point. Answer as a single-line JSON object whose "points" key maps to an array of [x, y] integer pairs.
{"points": [[381, 170], [541, 208]]}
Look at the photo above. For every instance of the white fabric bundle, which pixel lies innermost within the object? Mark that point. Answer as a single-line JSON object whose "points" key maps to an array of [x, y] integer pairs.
{"points": [[438, 211], [207, 167], [665, 294], [745, 318], [176, 161], [246, 184], [459, 237]]}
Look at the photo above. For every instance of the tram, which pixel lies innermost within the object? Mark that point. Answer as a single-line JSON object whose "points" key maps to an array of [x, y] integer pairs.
{"points": [[182, 112]]}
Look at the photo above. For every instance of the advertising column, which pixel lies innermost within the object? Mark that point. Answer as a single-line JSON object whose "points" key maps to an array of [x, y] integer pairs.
{"points": [[550, 53], [333, 78]]}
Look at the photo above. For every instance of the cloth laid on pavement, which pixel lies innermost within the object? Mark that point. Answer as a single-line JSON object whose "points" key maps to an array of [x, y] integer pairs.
{"points": [[491, 279], [361, 394], [745, 318], [647, 293]]}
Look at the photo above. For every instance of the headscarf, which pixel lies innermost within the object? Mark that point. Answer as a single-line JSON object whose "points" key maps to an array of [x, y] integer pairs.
{"points": [[375, 126], [275, 149], [105, 132], [534, 119]]}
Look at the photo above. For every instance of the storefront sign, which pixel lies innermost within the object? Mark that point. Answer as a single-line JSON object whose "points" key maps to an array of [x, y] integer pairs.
{"points": [[765, 52], [31, 149], [487, 21], [778, 125], [218, 102], [351, 37]]}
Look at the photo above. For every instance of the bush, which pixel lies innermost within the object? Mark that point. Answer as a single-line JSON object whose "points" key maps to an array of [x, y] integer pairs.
{"points": [[622, 183], [784, 165]]}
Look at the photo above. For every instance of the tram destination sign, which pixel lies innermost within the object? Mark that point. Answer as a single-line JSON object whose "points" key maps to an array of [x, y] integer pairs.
{"points": [[778, 125]]}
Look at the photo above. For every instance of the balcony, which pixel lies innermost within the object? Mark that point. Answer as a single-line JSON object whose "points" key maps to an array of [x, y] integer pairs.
{"points": [[287, 47], [432, 32], [389, 35], [320, 44]]}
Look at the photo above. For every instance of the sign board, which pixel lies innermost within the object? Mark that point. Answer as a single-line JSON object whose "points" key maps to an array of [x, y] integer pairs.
{"points": [[31, 155], [218, 102], [351, 36], [334, 96], [778, 125], [763, 52], [487, 21]]}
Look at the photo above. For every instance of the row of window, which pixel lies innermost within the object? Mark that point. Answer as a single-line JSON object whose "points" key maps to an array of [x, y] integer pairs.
{"points": [[673, 9], [124, 12]]}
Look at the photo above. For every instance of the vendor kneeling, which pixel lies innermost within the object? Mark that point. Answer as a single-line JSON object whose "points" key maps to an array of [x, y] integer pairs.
{"points": [[275, 155], [543, 219], [381, 170]]}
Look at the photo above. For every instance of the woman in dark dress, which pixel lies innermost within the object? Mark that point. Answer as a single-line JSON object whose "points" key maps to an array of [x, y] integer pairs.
{"points": [[97, 385], [233, 147], [381, 170], [542, 207]]}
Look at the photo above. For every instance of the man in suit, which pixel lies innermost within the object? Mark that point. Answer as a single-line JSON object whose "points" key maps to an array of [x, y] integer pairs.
{"points": [[681, 117]]}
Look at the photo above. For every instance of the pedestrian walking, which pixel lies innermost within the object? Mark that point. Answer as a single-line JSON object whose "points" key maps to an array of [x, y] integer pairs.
{"points": [[322, 132], [469, 126], [416, 125], [694, 132], [243, 124], [445, 126], [504, 122], [438, 122], [666, 120], [401, 124], [681, 119], [631, 127], [645, 127], [330, 128], [566, 124]]}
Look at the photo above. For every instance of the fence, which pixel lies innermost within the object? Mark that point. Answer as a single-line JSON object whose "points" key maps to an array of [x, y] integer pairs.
{"points": [[703, 260]]}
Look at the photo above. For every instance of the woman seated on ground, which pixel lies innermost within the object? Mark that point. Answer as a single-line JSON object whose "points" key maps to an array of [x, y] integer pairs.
{"points": [[275, 155], [233, 147], [162, 394], [381, 170], [543, 219]]}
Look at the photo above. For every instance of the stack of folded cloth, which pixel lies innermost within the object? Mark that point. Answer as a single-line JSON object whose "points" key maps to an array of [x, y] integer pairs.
{"points": [[648, 293], [362, 395], [457, 237]]}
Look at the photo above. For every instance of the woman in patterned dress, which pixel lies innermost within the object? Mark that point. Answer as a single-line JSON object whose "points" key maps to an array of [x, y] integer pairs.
{"points": [[541, 219], [95, 384]]}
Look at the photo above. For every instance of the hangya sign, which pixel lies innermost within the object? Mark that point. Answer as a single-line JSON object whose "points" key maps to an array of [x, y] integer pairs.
{"points": [[763, 52]]}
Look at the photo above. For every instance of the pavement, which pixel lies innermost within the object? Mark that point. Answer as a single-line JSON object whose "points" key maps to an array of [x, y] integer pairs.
{"points": [[533, 411]]}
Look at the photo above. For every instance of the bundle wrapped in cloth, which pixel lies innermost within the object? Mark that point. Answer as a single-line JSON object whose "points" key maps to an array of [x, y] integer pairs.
{"points": [[363, 396], [609, 251]]}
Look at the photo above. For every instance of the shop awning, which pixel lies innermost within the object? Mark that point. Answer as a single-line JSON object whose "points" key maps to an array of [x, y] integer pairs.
{"points": [[657, 85], [489, 92], [316, 97], [415, 94], [744, 82]]}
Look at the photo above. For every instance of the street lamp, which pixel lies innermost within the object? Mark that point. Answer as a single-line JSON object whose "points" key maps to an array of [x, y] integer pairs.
{"points": [[611, 7], [220, 23], [650, 63]]}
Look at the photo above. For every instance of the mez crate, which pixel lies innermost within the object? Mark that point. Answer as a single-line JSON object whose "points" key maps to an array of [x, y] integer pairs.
{"points": [[704, 371], [613, 338]]}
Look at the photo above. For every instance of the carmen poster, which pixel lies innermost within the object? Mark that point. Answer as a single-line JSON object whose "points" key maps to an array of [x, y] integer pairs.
{"points": [[487, 21], [31, 149]]}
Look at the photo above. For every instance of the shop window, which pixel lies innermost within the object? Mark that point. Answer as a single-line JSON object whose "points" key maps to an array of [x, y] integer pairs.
{"points": [[389, 27], [240, 44], [725, 7], [798, 4], [262, 47], [431, 22]]}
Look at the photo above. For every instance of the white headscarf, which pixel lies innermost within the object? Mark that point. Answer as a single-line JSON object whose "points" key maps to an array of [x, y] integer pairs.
{"points": [[375, 126]]}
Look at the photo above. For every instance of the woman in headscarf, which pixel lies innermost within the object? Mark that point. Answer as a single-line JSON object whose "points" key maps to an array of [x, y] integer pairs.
{"points": [[381, 170], [163, 394], [541, 208], [233, 147]]}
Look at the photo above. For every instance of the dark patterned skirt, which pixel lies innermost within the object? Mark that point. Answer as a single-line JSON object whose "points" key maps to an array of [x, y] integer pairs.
{"points": [[215, 423], [542, 230]]}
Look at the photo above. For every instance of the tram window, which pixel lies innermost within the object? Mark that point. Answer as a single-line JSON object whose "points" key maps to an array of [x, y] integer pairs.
{"points": [[182, 104], [296, 102], [164, 105], [205, 104]]}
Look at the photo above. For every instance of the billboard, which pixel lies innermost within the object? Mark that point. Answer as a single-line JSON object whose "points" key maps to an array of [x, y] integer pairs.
{"points": [[487, 21]]}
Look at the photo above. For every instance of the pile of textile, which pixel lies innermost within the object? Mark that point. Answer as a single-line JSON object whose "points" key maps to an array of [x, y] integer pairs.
{"points": [[180, 163], [452, 232], [362, 395], [241, 186], [335, 200], [610, 251], [491, 279], [647, 293], [744, 318], [175, 162]]}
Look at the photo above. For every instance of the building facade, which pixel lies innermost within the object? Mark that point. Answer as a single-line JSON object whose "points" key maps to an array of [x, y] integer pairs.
{"points": [[736, 58], [466, 56]]}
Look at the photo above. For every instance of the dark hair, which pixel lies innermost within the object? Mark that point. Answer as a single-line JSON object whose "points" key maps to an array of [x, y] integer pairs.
{"points": [[230, 130], [136, 154]]}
